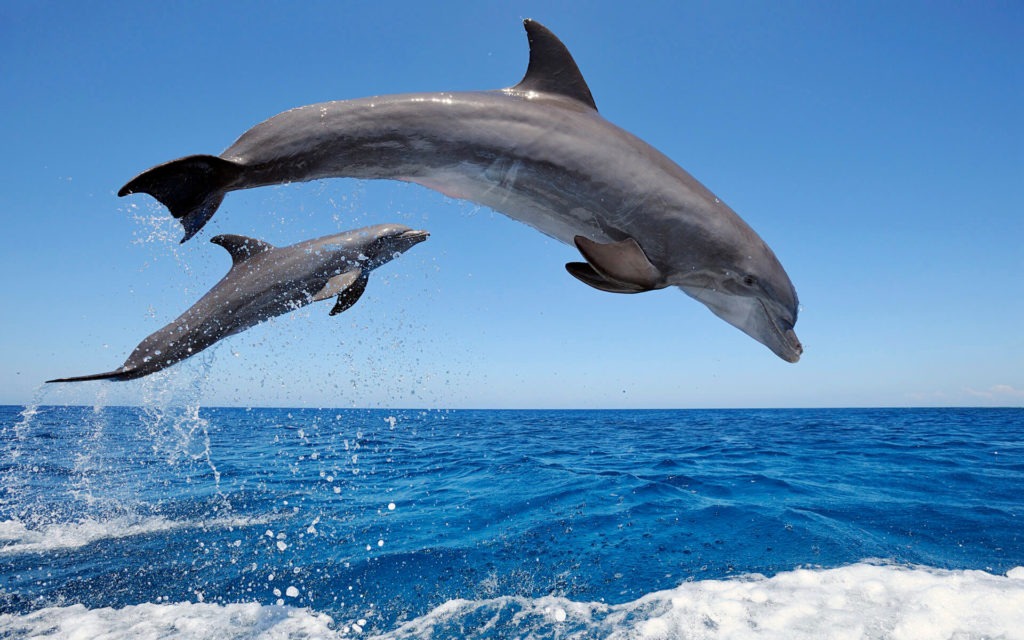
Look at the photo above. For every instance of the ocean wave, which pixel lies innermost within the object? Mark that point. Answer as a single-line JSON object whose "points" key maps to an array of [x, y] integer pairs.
{"points": [[17, 537], [863, 600]]}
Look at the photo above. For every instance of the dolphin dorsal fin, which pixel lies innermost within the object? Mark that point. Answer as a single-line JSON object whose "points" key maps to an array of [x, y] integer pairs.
{"points": [[552, 69], [241, 248]]}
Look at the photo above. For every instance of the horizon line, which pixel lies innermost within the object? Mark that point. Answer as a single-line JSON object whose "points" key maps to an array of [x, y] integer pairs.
{"points": [[439, 409]]}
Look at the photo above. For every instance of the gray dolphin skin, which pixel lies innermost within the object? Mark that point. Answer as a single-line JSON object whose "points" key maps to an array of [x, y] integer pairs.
{"points": [[267, 281], [538, 152]]}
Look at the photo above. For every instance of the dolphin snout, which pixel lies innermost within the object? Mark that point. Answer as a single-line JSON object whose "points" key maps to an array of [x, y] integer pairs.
{"points": [[796, 349], [402, 241], [407, 239], [418, 235]]}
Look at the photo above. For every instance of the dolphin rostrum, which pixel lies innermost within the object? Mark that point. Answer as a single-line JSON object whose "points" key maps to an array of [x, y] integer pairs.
{"points": [[266, 281], [538, 152]]}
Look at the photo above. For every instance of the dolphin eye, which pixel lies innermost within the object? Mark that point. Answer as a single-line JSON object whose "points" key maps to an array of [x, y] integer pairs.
{"points": [[749, 280]]}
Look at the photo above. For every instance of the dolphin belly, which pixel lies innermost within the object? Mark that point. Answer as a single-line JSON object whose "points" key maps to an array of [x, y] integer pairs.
{"points": [[481, 186]]}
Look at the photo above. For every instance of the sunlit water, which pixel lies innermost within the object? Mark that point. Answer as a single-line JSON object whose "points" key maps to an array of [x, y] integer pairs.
{"points": [[166, 522]]}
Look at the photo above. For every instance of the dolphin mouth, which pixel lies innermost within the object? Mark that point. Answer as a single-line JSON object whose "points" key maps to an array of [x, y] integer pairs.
{"points": [[402, 242], [789, 347], [796, 347], [416, 235]]}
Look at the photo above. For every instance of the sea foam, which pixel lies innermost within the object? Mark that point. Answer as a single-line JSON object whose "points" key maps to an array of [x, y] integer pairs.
{"points": [[17, 537], [859, 601], [186, 621]]}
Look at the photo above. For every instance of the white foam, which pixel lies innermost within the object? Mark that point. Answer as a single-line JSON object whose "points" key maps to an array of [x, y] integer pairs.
{"points": [[16, 537], [862, 601], [188, 621]]}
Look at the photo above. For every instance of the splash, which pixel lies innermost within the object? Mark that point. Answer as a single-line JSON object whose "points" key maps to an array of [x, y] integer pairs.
{"points": [[170, 414], [153, 225], [99, 461], [15, 434], [12, 441], [90, 463]]}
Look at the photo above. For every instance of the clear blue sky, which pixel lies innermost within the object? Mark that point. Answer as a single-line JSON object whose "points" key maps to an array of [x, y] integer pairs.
{"points": [[878, 147]]}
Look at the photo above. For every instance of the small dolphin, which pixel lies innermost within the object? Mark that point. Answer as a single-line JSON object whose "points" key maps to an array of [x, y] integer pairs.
{"points": [[266, 281], [538, 152]]}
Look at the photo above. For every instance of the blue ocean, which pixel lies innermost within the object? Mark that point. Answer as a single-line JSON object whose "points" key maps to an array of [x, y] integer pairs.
{"points": [[195, 522]]}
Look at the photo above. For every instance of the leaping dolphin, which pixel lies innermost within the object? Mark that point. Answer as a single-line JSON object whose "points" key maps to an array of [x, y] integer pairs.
{"points": [[266, 281], [538, 152]]}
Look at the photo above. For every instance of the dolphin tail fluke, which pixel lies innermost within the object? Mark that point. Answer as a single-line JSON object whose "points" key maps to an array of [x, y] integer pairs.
{"points": [[191, 187], [118, 374]]}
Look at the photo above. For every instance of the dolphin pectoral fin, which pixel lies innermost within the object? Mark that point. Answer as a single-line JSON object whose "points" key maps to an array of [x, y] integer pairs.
{"points": [[351, 295], [337, 284], [348, 286], [623, 263], [241, 248], [588, 275], [551, 68], [191, 187]]}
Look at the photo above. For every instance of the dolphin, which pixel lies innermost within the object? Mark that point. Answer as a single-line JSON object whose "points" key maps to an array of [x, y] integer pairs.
{"points": [[538, 152], [266, 281]]}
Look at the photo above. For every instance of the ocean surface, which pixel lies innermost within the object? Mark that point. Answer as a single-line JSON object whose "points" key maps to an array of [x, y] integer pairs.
{"points": [[188, 522]]}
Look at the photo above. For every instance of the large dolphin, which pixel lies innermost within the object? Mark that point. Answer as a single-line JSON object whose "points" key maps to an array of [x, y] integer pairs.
{"points": [[267, 281], [538, 152]]}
